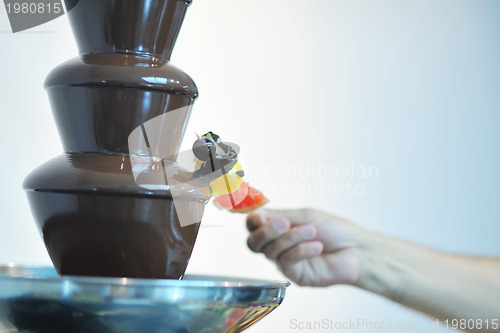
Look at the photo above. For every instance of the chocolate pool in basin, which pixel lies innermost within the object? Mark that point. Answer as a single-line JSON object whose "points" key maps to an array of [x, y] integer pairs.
{"points": [[95, 217]]}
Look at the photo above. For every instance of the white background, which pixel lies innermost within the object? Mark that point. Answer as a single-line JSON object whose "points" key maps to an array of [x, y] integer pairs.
{"points": [[411, 87]]}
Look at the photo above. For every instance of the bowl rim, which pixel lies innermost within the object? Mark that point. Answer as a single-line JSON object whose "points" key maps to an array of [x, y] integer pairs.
{"points": [[188, 281]]}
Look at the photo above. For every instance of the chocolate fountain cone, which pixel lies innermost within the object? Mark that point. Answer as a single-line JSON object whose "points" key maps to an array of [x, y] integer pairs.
{"points": [[96, 215]]}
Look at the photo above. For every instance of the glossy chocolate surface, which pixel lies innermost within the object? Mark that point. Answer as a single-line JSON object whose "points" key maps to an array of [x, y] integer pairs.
{"points": [[110, 174], [99, 119], [113, 234], [127, 26], [95, 219]]}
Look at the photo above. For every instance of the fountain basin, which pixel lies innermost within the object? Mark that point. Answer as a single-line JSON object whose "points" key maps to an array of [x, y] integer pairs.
{"points": [[35, 299]]}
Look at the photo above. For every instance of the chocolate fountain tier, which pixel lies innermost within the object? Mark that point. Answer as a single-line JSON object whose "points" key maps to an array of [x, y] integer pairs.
{"points": [[122, 70], [114, 235], [36, 300], [96, 220], [98, 100], [93, 173], [133, 26]]}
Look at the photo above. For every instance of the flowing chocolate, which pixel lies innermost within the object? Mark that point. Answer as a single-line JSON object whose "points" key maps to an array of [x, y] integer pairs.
{"points": [[94, 218]]}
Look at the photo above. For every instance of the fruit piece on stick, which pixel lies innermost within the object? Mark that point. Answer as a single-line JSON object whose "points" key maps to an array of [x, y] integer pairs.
{"points": [[225, 201], [228, 183], [254, 199], [230, 191]]}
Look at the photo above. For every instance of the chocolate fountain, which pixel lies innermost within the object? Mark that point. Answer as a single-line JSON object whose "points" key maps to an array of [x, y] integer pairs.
{"points": [[95, 218], [119, 243]]}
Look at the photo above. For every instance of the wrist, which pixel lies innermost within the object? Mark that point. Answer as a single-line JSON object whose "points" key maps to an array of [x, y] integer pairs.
{"points": [[385, 267]]}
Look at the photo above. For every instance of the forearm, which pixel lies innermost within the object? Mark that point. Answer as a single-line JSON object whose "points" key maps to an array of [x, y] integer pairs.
{"points": [[443, 285]]}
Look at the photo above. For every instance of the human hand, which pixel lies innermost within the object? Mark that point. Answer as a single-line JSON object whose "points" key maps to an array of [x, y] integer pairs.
{"points": [[313, 248], [310, 247]]}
